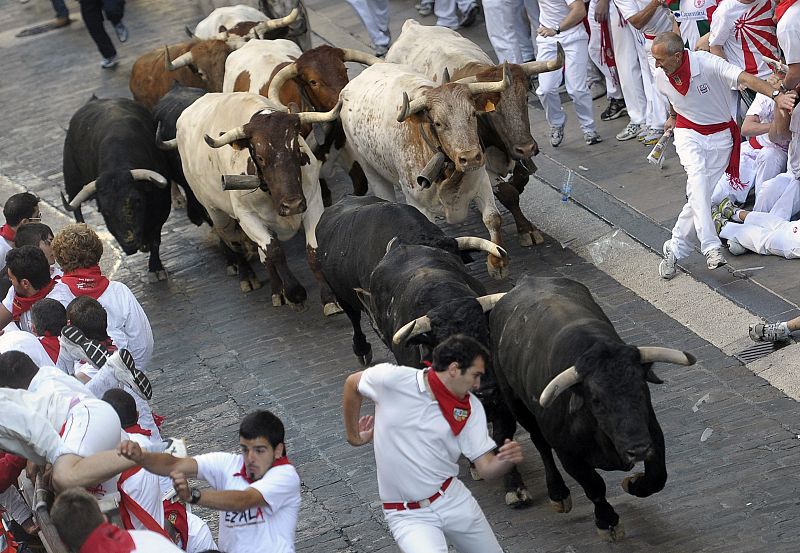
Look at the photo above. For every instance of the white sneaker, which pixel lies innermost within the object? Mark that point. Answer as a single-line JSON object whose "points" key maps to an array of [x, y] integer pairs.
{"points": [[769, 332], [667, 268], [735, 247], [556, 136], [715, 259], [109, 63], [630, 132]]}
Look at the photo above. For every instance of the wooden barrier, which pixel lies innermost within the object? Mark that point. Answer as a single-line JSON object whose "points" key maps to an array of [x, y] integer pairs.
{"points": [[39, 500]]}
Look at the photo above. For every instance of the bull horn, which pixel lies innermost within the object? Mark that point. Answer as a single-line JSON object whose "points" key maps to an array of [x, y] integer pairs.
{"points": [[280, 78], [497, 86], [152, 176], [534, 67], [475, 243], [358, 56], [272, 24], [309, 117], [226, 138], [409, 330], [488, 302], [181, 61], [410, 108], [445, 76], [165, 144], [649, 354], [84, 194], [189, 31], [240, 182], [558, 385]]}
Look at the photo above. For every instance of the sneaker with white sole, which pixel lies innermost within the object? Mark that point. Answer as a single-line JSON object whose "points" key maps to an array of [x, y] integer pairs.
{"points": [[629, 132], [109, 63], [719, 221], [667, 268], [616, 108], [556, 136], [735, 247], [769, 332], [122, 31], [715, 259], [592, 138], [642, 133], [652, 138], [726, 208]]}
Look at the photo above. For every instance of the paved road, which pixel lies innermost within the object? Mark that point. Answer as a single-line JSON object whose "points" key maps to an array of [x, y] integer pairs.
{"points": [[221, 353]]}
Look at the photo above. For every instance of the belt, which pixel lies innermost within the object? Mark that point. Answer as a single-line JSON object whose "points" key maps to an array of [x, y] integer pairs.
{"points": [[649, 37], [419, 504]]}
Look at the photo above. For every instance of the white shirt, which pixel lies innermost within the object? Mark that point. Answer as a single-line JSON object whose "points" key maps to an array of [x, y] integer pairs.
{"points": [[661, 22], [709, 99], [144, 488], [26, 343], [128, 325], [763, 107], [150, 542], [267, 529], [415, 448], [5, 247], [794, 146], [739, 28], [25, 432], [50, 380], [60, 293], [553, 12], [789, 34]]}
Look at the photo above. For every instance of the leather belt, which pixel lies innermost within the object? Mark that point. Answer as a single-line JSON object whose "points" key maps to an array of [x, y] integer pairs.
{"points": [[419, 504]]}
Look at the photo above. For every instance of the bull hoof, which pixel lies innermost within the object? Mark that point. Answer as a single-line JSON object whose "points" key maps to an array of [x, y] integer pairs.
{"points": [[518, 498], [530, 238], [562, 506], [628, 480], [612, 533], [497, 270], [156, 276], [231, 270], [366, 359], [525, 240], [473, 472], [331, 308], [277, 300], [246, 286]]}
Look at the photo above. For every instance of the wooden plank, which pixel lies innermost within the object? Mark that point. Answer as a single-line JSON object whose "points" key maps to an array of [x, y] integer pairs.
{"points": [[35, 497]]}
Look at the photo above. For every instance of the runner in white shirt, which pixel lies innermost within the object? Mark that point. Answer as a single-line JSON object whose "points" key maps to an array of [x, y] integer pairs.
{"points": [[18, 210], [698, 86], [78, 250], [743, 32], [257, 492], [83, 528], [788, 15], [41, 236], [28, 344], [561, 21], [424, 421]]}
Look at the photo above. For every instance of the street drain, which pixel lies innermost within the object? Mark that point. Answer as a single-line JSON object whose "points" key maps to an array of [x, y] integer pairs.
{"points": [[757, 351]]}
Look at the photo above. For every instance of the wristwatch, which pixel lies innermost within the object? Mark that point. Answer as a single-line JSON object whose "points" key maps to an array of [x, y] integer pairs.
{"points": [[195, 497], [776, 93], [558, 29]]}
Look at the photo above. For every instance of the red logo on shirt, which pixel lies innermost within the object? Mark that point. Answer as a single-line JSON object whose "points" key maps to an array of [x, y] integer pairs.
{"points": [[460, 414], [244, 518], [699, 3]]}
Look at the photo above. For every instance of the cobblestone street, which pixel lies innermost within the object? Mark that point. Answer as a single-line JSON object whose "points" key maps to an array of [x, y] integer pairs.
{"points": [[221, 353]]}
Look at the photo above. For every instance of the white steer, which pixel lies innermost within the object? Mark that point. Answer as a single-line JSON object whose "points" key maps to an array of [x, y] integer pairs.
{"points": [[239, 20]]}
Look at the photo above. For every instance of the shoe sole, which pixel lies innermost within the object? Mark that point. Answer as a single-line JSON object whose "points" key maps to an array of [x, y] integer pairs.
{"points": [[141, 380], [661, 272], [717, 266], [95, 353], [625, 137], [616, 115]]}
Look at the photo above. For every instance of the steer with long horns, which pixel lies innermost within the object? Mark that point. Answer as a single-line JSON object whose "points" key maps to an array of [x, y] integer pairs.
{"points": [[504, 128], [396, 120], [110, 155], [241, 21], [270, 180], [580, 391]]}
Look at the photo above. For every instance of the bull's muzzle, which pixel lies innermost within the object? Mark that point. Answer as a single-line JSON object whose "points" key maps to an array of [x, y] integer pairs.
{"points": [[292, 206], [470, 160], [525, 151]]}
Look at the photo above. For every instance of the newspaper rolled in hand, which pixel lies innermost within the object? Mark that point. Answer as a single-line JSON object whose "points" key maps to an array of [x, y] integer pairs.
{"points": [[656, 157]]}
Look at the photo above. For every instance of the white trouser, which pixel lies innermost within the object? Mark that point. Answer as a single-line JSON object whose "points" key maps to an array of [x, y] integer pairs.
{"points": [[512, 37], [704, 158], [779, 196], [455, 517], [737, 194], [755, 168], [595, 51], [628, 42], [26, 433], [766, 234], [657, 102], [11, 501], [375, 16], [576, 51], [445, 11], [200, 538]]}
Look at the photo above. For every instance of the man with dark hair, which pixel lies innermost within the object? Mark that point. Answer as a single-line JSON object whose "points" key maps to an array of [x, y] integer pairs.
{"points": [[29, 273], [84, 529], [433, 412], [257, 492], [19, 209], [48, 317], [41, 236]]}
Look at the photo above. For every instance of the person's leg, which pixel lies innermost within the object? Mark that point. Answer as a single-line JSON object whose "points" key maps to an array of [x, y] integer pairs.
{"points": [[749, 234], [529, 47], [769, 191], [500, 17], [445, 11], [465, 525], [788, 202], [630, 74], [659, 109], [92, 14], [576, 63], [377, 34], [549, 83], [114, 10], [62, 12], [769, 163], [417, 531], [596, 53]]}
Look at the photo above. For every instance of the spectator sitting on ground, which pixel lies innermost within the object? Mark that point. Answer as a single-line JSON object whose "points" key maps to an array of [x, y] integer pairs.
{"points": [[48, 317], [41, 236], [19, 209], [84, 529]]}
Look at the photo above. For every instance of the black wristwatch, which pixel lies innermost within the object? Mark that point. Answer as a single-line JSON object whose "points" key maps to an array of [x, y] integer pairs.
{"points": [[558, 29], [776, 93], [195, 497]]}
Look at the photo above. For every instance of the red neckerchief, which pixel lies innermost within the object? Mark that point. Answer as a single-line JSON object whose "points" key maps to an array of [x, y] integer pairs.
{"points": [[22, 304], [175, 514], [158, 419], [783, 5], [276, 463], [107, 538], [680, 78], [136, 429], [8, 233], [51, 345], [109, 345], [456, 411], [732, 170], [88, 281]]}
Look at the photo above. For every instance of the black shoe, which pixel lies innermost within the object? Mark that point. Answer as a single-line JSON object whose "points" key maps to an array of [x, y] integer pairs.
{"points": [[122, 31], [74, 340], [470, 16], [615, 109]]}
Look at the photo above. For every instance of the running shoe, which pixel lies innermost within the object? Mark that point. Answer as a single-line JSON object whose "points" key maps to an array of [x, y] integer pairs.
{"points": [[556, 136], [630, 132], [592, 138], [616, 108], [769, 332], [667, 268], [715, 259], [735, 247]]}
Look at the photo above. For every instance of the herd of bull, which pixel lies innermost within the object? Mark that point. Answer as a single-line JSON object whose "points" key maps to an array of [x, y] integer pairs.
{"points": [[435, 118]]}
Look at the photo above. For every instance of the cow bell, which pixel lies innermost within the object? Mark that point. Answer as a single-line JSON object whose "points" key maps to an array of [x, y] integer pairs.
{"points": [[240, 182], [432, 170]]}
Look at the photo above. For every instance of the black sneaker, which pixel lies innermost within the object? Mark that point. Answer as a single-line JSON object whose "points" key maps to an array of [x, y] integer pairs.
{"points": [[470, 16], [74, 340], [122, 31], [124, 368], [615, 109]]}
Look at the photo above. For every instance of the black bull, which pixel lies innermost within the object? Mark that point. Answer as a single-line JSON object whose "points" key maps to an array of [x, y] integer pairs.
{"points": [[603, 417], [107, 139], [422, 274]]}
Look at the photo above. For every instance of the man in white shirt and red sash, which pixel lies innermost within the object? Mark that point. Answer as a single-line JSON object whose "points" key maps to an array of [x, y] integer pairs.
{"points": [[18, 210], [424, 421], [787, 16], [699, 88]]}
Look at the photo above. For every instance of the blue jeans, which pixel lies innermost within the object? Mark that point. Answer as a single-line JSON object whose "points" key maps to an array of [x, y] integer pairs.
{"points": [[60, 8]]}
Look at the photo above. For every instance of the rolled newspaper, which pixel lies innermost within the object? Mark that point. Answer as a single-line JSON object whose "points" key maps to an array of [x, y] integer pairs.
{"points": [[656, 157]]}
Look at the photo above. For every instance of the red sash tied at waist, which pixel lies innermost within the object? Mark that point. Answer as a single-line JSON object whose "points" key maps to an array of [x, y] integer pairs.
{"points": [[732, 170], [754, 143]]}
